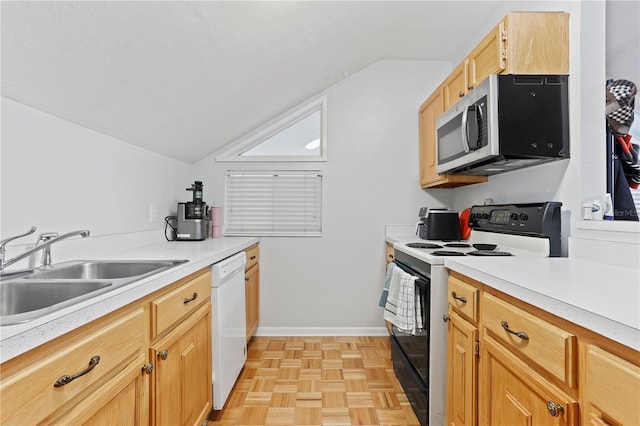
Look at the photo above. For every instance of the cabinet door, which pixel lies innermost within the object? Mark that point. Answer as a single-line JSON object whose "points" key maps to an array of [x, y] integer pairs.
{"points": [[515, 395], [182, 377], [462, 375], [612, 389], [487, 58], [455, 86], [124, 400], [252, 298], [429, 112]]}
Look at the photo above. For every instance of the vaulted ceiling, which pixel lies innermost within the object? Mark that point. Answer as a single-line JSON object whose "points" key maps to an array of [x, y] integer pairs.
{"points": [[185, 78]]}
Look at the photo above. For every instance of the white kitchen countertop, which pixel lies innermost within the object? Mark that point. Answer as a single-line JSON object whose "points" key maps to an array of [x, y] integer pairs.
{"points": [[600, 297], [596, 296], [19, 338]]}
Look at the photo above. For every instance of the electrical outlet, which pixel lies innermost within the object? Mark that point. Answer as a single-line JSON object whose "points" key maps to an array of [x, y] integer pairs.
{"points": [[153, 213]]}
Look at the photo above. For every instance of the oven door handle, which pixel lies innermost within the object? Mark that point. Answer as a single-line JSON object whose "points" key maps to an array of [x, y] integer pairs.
{"points": [[422, 282]]}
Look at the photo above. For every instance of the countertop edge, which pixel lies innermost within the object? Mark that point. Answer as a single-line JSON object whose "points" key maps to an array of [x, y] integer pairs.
{"points": [[20, 338], [607, 327]]}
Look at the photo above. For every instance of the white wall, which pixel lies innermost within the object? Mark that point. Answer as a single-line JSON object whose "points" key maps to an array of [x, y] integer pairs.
{"points": [[370, 180], [62, 177]]}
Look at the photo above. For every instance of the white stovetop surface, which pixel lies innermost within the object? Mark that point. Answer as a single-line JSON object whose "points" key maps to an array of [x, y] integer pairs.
{"points": [[598, 296], [19, 338]]}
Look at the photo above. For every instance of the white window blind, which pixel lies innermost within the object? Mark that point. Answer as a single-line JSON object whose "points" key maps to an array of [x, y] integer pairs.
{"points": [[282, 203]]}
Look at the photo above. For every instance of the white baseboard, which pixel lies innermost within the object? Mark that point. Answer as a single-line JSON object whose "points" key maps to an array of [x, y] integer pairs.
{"points": [[322, 331]]}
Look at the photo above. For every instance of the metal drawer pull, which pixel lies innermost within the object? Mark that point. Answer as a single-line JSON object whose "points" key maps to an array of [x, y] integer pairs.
{"points": [[187, 300], [148, 368], [63, 380], [520, 334], [460, 298], [554, 409], [252, 258], [163, 354], [445, 318]]}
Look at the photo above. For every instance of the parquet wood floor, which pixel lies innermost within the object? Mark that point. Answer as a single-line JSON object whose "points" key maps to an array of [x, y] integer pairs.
{"points": [[317, 381]]}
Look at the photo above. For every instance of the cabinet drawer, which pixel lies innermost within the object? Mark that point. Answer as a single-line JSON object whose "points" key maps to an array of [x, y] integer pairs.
{"points": [[613, 386], [29, 396], [463, 298], [253, 256], [389, 253], [552, 348], [184, 299]]}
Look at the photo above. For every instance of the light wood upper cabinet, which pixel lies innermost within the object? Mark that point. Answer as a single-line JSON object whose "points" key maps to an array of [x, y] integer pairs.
{"points": [[536, 43], [429, 112], [454, 86], [521, 43]]}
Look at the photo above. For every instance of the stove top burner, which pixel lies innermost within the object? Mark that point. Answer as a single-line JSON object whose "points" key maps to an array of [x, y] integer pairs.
{"points": [[447, 253], [489, 253], [424, 245], [460, 245]]}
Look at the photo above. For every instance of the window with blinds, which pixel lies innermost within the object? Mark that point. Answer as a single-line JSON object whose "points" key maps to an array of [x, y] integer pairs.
{"points": [[273, 203]]}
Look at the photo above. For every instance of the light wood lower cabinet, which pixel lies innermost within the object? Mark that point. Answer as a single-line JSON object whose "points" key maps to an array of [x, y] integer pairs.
{"points": [[38, 387], [462, 375], [182, 377], [116, 375], [252, 290], [612, 389], [514, 394], [534, 368]]}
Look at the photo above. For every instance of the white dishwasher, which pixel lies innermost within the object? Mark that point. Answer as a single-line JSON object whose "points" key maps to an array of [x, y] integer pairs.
{"points": [[229, 326]]}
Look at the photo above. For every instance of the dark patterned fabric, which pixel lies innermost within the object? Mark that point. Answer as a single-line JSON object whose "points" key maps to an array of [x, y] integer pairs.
{"points": [[628, 155], [620, 98]]}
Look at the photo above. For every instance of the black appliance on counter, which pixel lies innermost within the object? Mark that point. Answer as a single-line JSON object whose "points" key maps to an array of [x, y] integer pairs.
{"points": [[193, 216]]}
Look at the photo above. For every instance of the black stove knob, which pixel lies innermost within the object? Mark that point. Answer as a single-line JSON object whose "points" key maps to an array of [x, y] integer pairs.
{"points": [[514, 216], [524, 216]]}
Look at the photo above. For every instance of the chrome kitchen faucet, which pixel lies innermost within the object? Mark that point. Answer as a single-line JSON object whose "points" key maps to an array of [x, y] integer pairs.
{"points": [[44, 243]]}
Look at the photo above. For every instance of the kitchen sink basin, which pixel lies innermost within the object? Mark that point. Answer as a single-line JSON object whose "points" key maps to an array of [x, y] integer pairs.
{"points": [[31, 294], [22, 300], [108, 270]]}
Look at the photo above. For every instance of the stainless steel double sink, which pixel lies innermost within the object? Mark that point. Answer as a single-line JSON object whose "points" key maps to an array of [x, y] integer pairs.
{"points": [[29, 295]]}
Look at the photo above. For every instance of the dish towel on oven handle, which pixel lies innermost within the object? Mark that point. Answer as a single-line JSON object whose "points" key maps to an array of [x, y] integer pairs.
{"points": [[400, 308], [385, 291]]}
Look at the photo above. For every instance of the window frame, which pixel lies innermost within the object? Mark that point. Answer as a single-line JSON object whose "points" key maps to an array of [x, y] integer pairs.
{"points": [[234, 153]]}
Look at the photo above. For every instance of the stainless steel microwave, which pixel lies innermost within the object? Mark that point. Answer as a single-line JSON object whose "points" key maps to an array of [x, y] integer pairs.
{"points": [[507, 122]]}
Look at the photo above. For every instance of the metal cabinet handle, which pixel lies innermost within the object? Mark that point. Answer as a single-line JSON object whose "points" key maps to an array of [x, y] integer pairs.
{"points": [[252, 258], [555, 409], [163, 354], [63, 380], [187, 300], [446, 318], [470, 87], [460, 298], [148, 368], [520, 334], [246, 279], [460, 94]]}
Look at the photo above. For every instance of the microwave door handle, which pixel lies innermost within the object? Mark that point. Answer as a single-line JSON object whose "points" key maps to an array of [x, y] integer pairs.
{"points": [[465, 137]]}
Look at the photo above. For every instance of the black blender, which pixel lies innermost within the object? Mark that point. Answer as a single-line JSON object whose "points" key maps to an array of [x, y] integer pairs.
{"points": [[193, 216]]}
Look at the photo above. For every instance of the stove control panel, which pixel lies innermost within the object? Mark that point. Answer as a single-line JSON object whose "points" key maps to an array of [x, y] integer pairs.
{"points": [[533, 219]]}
